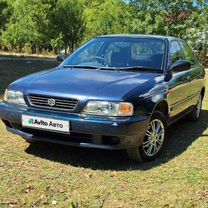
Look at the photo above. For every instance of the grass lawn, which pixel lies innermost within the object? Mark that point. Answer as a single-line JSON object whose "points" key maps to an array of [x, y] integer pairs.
{"points": [[10, 70], [47, 175]]}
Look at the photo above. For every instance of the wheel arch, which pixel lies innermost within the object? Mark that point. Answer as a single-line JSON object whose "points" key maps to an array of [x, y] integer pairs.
{"points": [[162, 106]]}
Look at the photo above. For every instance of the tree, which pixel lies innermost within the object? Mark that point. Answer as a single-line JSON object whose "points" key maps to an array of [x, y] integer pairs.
{"points": [[179, 18], [38, 25], [68, 24], [53, 25], [3, 5], [106, 17], [197, 34], [27, 26], [5, 12]]}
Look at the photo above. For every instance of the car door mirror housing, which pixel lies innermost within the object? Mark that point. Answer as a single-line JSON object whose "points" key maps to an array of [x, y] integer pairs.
{"points": [[168, 76], [180, 66], [60, 58]]}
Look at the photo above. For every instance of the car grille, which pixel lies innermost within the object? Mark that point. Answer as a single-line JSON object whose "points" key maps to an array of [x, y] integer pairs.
{"points": [[53, 103]]}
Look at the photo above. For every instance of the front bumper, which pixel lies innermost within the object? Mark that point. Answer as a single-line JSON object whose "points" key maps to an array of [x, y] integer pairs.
{"points": [[93, 132]]}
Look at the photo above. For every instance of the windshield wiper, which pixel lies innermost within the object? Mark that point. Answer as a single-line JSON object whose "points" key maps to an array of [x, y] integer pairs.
{"points": [[80, 67], [88, 67], [132, 68], [139, 68]]}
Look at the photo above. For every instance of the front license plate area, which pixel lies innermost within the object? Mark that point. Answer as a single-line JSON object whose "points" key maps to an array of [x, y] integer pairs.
{"points": [[47, 124]]}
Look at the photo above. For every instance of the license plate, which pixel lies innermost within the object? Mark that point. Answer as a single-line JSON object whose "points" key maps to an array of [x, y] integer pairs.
{"points": [[49, 124]]}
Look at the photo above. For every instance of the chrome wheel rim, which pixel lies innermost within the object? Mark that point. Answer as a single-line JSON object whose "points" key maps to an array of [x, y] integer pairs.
{"points": [[198, 107], [154, 138]]}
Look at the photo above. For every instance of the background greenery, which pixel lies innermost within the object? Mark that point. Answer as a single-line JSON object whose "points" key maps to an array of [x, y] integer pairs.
{"points": [[40, 26]]}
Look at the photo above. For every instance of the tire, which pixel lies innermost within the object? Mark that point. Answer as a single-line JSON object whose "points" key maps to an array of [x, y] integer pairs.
{"points": [[195, 114], [153, 143]]}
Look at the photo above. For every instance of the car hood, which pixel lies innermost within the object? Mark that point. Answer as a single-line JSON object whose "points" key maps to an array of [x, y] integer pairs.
{"points": [[83, 83]]}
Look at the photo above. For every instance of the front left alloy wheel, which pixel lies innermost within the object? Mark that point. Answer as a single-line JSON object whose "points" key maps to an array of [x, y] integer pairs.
{"points": [[153, 142]]}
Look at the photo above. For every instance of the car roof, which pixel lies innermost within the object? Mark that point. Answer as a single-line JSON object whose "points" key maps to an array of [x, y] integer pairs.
{"points": [[139, 36]]}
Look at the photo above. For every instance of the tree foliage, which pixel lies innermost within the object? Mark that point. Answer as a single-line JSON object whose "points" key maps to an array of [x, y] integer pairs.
{"points": [[186, 19], [106, 17], [53, 25], [26, 26], [67, 23], [5, 12], [39, 25]]}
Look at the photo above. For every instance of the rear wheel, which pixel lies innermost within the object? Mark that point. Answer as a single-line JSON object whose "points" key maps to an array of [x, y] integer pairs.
{"points": [[153, 142], [195, 114]]}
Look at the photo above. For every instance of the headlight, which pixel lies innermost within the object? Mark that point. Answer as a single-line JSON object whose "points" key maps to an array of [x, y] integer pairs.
{"points": [[104, 108], [15, 97]]}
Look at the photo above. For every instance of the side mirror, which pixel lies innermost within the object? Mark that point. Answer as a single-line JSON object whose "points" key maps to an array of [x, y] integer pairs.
{"points": [[60, 58], [168, 76], [180, 66]]}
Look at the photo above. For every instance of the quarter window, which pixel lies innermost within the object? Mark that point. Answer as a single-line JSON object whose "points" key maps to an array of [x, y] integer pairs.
{"points": [[175, 52]]}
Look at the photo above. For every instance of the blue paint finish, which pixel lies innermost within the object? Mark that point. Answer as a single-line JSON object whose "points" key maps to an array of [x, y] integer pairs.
{"points": [[83, 83], [80, 124]]}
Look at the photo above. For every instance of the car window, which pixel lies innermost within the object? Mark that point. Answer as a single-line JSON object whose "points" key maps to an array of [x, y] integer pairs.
{"points": [[120, 52], [90, 52], [132, 53], [147, 49], [117, 48], [175, 52], [188, 53]]}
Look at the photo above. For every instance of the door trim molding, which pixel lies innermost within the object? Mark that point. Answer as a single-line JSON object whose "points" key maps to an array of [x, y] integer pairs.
{"points": [[175, 105]]}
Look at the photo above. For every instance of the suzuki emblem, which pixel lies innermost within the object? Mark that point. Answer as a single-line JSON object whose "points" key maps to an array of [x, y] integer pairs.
{"points": [[51, 102]]}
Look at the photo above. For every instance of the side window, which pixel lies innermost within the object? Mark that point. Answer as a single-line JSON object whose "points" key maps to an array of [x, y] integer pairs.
{"points": [[175, 52], [188, 53]]}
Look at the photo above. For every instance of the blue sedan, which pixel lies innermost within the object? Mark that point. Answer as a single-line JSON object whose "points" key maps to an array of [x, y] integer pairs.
{"points": [[115, 92]]}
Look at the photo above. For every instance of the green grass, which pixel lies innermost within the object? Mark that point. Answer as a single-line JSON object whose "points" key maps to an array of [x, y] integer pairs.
{"points": [[10, 70], [47, 175]]}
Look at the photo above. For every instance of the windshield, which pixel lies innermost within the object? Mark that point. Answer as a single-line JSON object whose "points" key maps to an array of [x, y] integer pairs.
{"points": [[119, 52]]}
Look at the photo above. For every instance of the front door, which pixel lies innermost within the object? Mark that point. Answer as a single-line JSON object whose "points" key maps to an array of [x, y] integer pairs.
{"points": [[179, 84]]}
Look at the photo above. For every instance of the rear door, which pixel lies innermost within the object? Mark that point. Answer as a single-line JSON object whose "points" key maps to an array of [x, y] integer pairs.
{"points": [[179, 84]]}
